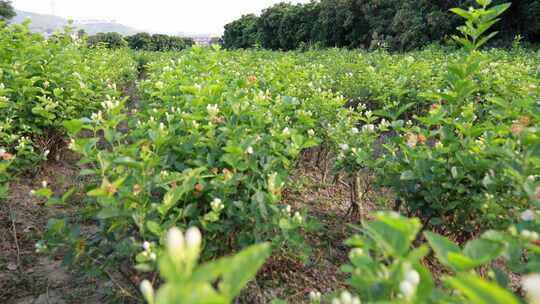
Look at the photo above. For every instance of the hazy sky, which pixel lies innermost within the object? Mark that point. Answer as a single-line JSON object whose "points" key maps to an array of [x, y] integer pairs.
{"points": [[198, 16]]}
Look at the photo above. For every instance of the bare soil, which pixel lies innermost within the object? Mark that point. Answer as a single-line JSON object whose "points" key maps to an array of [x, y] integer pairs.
{"points": [[30, 278]]}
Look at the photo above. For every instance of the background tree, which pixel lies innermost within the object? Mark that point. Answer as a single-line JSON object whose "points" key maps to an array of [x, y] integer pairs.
{"points": [[400, 25], [269, 25], [140, 41], [241, 33], [6, 10], [110, 40]]}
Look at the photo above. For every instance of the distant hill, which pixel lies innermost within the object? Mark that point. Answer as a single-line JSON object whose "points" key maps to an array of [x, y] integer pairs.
{"points": [[48, 24]]}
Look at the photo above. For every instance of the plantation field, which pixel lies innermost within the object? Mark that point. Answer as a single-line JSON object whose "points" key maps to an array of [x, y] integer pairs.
{"points": [[249, 176]]}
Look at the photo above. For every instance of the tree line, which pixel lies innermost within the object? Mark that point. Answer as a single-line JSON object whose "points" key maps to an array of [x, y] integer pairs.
{"points": [[394, 24], [141, 41]]}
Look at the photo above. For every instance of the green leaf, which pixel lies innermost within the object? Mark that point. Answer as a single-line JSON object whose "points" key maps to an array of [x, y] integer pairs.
{"points": [[243, 267], [483, 250], [154, 228], [462, 13], [442, 247], [73, 126], [43, 192], [480, 291], [393, 232], [107, 213]]}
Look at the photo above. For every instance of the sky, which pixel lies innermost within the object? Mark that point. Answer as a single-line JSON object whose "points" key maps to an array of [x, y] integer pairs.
{"points": [[168, 16]]}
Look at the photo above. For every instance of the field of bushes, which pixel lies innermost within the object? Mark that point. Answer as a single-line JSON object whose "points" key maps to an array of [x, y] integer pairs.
{"points": [[252, 176]]}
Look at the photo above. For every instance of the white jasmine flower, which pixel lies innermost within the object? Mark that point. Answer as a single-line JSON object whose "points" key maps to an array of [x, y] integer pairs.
{"points": [[147, 290], [407, 289], [528, 215], [412, 277], [217, 205], [315, 296], [193, 238], [213, 110], [531, 285], [526, 234], [346, 297], [146, 246], [249, 150], [286, 131], [368, 128], [298, 218], [175, 243], [344, 147], [355, 131], [288, 209]]}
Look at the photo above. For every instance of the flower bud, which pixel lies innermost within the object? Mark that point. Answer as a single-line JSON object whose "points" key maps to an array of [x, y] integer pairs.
{"points": [[146, 246], [148, 291], [412, 277], [193, 238], [407, 289], [531, 285], [175, 243]]}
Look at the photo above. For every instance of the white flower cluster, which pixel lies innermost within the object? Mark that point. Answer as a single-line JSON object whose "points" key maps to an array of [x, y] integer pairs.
{"points": [[23, 143], [346, 298], [315, 296], [407, 287], [213, 109], [297, 218], [217, 205], [286, 131], [384, 124], [311, 132], [97, 117], [148, 251], [287, 210], [530, 235], [249, 150], [369, 128], [162, 127], [528, 215], [110, 104], [40, 248], [71, 145]]}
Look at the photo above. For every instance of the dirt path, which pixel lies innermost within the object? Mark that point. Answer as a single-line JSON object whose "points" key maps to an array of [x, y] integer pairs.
{"points": [[286, 277], [25, 276]]}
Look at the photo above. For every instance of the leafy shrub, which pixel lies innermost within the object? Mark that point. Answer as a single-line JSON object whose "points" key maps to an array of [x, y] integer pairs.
{"points": [[42, 83], [442, 164]]}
